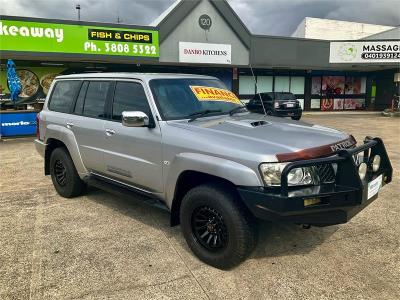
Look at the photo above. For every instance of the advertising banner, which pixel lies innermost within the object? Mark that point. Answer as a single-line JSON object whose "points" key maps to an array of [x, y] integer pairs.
{"points": [[205, 53], [17, 123], [354, 104], [353, 85], [205, 93], [332, 85], [365, 52], [77, 39], [338, 104], [327, 104], [35, 83]]}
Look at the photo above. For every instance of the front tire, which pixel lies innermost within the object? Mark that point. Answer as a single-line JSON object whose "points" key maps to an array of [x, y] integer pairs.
{"points": [[217, 226], [297, 118], [64, 175]]}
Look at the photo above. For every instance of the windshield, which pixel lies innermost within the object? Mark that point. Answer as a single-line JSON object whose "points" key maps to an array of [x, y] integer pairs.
{"points": [[284, 96], [181, 98]]}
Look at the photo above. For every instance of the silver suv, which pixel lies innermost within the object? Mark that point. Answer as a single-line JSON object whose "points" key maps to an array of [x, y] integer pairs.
{"points": [[189, 144]]}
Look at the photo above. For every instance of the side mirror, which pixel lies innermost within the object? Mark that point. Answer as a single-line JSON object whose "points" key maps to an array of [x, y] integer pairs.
{"points": [[135, 119]]}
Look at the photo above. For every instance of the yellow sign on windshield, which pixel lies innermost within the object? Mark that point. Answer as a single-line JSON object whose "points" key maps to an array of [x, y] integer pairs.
{"points": [[206, 93]]}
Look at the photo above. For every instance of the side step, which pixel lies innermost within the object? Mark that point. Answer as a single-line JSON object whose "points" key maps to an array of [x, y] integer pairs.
{"points": [[124, 191]]}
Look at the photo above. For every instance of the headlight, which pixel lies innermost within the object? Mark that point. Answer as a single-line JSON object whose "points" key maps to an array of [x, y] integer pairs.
{"points": [[272, 172], [362, 170], [376, 163]]}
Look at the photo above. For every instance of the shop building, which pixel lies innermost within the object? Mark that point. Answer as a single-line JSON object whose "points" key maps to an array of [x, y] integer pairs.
{"points": [[336, 30], [205, 37]]}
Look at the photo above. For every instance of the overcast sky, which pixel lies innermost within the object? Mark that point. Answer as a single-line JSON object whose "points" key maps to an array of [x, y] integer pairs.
{"points": [[273, 17]]}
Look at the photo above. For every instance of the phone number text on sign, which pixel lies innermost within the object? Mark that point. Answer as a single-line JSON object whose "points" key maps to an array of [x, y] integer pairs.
{"points": [[121, 48]]}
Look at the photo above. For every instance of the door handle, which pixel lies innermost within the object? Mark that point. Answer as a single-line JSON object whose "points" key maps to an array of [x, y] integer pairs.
{"points": [[110, 132], [70, 125]]}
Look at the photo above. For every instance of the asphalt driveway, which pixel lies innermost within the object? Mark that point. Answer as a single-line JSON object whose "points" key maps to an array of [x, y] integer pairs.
{"points": [[101, 246]]}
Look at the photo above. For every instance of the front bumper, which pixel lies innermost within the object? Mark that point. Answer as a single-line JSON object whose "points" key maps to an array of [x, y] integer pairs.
{"points": [[339, 201]]}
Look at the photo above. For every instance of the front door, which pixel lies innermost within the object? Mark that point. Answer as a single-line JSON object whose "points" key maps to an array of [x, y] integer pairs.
{"points": [[132, 154]]}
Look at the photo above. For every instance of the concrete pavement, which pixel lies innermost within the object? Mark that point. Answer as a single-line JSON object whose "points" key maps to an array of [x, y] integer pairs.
{"points": [[104, 247]]}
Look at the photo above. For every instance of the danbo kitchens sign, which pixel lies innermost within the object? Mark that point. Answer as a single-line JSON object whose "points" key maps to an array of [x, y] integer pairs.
{"points": [[77, 39], [365, 52], [205, 53]]}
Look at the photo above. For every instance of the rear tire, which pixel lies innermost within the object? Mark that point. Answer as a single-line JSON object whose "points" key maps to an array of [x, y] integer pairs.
{"points": [[64, 175], [297, 118], [217, 227]]}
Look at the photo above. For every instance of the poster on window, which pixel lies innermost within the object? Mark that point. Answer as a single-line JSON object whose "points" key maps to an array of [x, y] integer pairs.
{"points": [[315, 103], [35, 84], [332, 85], [327, 104], [316, 86], [354, 104], [353, 85], [338, 104]]}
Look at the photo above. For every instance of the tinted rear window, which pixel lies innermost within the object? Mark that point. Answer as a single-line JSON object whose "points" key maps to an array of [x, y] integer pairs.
{"points": [[285, 96], [63, 95], [81, 98], [95, 99]]}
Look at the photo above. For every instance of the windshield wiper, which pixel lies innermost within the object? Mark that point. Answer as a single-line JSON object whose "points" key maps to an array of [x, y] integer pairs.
{"points": [[202, 113], [236, 109]]}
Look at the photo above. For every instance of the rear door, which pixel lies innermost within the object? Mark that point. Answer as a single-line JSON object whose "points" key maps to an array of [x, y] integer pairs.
{"points": [[60, 103], [87, 122], [132, 154]]}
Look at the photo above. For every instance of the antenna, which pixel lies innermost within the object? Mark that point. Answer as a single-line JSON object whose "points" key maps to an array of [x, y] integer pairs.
{"points": [[78, 9], [259, 95]]}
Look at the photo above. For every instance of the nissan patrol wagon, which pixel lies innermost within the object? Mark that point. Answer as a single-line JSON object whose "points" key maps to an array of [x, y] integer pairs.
{"points": [[187, 143]]}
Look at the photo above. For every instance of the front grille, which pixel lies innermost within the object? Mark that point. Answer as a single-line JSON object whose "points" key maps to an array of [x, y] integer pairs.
{"points": [[326, 173]]}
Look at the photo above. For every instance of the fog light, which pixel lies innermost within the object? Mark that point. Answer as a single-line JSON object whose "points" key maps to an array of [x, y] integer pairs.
{"points": [[312, 201], [362, 170], [376, 163]]}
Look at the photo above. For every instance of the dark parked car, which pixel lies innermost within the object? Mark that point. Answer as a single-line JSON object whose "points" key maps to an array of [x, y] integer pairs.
{"points": [[277, 104]]}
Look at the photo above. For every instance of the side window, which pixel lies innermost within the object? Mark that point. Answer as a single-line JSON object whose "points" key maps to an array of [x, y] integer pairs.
{"points": [[129, 96], [266, 97], [63, 95], [95, 99], [81, 98]]}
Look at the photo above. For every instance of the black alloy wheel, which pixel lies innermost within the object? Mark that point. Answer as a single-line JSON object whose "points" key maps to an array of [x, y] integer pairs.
{"points": [[60, 173], [63, 173], [216, 225], [209, 228]]}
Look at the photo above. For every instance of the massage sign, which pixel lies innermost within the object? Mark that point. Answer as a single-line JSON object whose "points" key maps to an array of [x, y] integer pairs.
{"points": [[77, 39]]}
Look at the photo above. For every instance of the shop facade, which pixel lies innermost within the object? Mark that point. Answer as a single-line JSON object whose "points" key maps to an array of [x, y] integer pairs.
{"points": [[202, 37]]}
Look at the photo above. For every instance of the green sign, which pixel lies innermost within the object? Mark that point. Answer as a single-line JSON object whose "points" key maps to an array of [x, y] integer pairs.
{"points": [[77, 39]]}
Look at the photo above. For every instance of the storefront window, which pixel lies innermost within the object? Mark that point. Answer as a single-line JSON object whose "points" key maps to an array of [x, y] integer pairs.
{"points": [[315, 103], [332, 85], [264, 84], [247, 85], [338, 104], [354, 104], [316, 86], [282, 84], [355, 85], [297, 85], [301, 103]]}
